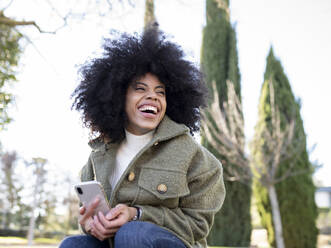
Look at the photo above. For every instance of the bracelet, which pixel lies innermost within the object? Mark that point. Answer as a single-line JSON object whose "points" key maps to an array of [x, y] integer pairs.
{"points": [[138, 215]]}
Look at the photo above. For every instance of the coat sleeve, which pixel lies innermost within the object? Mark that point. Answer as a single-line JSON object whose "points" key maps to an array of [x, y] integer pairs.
{"points": [[193, 218], [86, 174]]}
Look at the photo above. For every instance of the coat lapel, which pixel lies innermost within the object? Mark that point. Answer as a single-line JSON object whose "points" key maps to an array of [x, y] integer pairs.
{"points": [[103, 161]]}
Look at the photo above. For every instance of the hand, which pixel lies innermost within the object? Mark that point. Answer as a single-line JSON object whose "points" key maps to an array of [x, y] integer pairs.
{"points": [[104, 227], [85, 215]]}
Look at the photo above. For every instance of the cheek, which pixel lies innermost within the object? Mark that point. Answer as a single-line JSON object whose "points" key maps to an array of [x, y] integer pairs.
{"points": [[164, 106], [129, 109], [129, 102]]}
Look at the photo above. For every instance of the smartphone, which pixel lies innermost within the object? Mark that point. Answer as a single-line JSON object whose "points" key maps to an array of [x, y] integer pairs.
{"points": [[88, 191]]}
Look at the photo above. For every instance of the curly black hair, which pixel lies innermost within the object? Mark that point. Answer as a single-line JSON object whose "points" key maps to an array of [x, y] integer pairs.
{"points": [[100, 96]]}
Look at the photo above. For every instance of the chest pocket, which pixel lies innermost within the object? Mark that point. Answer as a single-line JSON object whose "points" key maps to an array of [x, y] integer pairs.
{"points": [[159, 186]]}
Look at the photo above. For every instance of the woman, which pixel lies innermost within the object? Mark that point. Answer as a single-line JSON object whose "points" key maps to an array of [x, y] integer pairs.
{"points": [[143, 100]]}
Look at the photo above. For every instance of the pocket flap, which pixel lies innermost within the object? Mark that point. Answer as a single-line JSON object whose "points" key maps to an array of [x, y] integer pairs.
{"points": [[164, 183]]}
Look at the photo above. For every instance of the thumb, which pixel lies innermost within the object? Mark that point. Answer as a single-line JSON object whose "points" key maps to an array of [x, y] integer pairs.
{"points": [[82, 210], [113, 213]]}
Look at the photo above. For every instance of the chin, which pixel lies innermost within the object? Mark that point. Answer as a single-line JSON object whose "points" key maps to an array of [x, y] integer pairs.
{"points": [[148, 128], [141, 126]]}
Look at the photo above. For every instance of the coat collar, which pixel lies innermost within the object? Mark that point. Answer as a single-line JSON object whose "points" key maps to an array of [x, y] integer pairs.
{"points": [[166, 130]]}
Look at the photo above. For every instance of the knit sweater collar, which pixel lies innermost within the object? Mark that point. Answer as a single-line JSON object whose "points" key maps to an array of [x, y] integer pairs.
{"points": [[137, 141]]}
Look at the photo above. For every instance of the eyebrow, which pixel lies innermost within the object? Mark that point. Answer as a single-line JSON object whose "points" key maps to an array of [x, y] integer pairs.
{"points": [[159, 86]]}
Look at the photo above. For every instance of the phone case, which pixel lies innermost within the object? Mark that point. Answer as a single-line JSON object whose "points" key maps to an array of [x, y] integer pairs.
{"points": [[88, 191]]}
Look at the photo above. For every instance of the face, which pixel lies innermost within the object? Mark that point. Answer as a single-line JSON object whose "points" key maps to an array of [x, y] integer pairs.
{"points": [[145, 104]]}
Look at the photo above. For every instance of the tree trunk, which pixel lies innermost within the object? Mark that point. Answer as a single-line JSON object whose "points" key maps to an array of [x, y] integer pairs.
{"points": [[149, 13], [35, 204], [276, 216], [31, 228], [4, 220]]}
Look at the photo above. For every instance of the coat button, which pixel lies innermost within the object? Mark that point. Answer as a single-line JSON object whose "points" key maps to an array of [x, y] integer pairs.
{"points": [[162, 188], [131, 176]]}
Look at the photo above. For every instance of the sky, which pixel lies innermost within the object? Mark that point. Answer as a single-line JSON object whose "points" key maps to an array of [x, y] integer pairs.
{"points": [[45, 126]]}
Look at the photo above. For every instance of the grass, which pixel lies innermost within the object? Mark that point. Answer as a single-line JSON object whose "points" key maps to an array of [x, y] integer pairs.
{"points": [[16, 242], [12, 240], [22, 242], [46, 241], [324, 241]]}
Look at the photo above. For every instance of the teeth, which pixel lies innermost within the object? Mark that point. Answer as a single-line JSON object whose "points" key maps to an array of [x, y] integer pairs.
{"points": [[147, 107]]}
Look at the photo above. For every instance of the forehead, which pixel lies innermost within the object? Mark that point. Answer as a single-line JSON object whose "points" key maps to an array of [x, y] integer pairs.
{"points": [[149, 80]]}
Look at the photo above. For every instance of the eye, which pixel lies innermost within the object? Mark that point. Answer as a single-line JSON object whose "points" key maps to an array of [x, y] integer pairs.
{"points": [[139, 89], [162, 93]]}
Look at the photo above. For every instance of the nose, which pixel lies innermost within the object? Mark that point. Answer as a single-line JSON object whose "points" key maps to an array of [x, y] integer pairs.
{"points": [[151, 96]]}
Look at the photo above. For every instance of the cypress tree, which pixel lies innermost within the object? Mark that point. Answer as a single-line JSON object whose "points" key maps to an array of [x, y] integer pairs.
{"points": [[219, 61], [296, 192]]}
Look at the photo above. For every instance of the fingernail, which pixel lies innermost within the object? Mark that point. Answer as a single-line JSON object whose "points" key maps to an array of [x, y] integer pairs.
{"points": [[109, 215]]}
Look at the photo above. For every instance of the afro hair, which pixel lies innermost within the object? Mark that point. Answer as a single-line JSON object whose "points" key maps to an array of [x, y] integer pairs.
{"points": [[100, 95]]}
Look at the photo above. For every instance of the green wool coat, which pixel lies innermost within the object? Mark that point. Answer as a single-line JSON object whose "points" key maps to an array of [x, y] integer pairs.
{"points": [[193, 178]]}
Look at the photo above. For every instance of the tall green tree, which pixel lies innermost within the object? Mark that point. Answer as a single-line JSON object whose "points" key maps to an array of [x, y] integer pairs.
{"points": [[294, 185], [219, 61]]}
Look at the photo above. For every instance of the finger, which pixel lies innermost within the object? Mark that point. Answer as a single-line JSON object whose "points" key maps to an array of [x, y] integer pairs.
{"points": [[100, 231], [104, 221], [96, 234], [97, 225], [90, 209], [119, 221], [106, 232], [82, 210], [114, 230], [110, 228], [114, 212], [111, 233], [88, 225], [95, 203]]}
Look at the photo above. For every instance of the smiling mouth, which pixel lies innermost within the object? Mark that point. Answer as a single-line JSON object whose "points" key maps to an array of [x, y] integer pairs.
{"points": [[148, 109]]}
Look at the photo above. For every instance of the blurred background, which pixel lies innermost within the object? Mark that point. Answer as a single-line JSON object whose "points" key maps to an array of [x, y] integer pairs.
{"points": [[267, 65]]}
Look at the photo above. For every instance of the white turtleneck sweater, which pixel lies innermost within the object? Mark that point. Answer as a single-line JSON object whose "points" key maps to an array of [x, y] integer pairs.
{"points": [[129, 147]]}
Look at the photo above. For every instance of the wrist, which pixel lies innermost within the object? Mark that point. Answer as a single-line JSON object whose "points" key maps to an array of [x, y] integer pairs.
{"points": [[137, 213]]}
